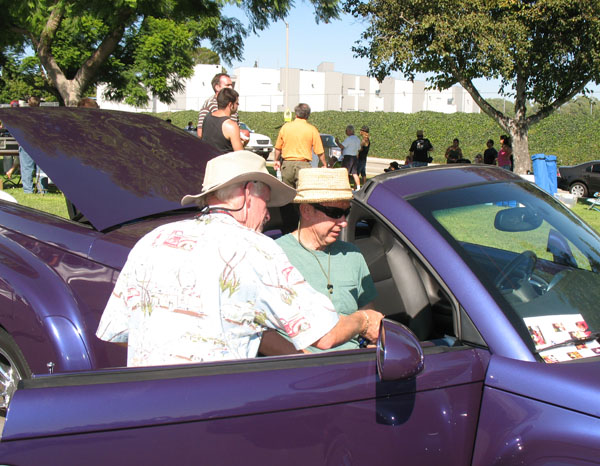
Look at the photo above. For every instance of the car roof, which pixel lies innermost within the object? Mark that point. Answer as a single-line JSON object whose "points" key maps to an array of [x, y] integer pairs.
{"points": [[115, 167]]}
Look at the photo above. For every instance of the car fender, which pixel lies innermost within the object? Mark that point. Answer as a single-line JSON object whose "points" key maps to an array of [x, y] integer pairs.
{"points": [[514, 429], [39, 311]]}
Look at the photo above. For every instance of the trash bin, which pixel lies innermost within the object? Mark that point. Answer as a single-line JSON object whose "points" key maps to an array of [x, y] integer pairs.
{"points": [[551, 169], [540, 172]]}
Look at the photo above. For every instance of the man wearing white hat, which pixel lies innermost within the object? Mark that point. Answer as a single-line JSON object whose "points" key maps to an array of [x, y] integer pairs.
{"points": [[333, 267], [207, 288]]}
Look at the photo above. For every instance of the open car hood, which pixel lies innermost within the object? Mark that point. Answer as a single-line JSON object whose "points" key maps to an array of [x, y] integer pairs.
{"points": [[115, 167]]}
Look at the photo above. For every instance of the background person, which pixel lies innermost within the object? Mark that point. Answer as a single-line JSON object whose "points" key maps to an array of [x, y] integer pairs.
{"points": [[505, 153], [365, 145], [296, 142], [335, 268], [490, 154], [350, 148], [419, 150], [207, 288], [220, 131], [454, 152], [88, 102], [218, 82]]}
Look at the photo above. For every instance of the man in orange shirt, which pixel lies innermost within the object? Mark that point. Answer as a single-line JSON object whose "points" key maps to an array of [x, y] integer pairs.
{"points": [[295, 144]]}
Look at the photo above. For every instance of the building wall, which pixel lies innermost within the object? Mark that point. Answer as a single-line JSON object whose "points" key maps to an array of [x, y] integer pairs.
{"points": [[259, 89], [263, 89]]}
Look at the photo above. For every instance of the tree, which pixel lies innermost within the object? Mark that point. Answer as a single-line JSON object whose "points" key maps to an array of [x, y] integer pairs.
{"points": [[136, 47], [544, 51]]}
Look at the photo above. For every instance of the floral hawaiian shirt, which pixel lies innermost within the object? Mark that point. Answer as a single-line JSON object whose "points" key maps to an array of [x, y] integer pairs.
{"points": [[205, 289]]}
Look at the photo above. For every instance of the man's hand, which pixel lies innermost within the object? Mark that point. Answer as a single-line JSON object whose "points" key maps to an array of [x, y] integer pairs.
{"points": [[372, 322]]}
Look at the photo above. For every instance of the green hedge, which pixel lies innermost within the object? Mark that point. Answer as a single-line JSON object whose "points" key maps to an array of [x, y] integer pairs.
{"points": [[572, 138]]}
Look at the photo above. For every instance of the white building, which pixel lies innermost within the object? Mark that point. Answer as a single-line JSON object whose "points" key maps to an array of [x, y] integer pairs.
{"points": [[264, 90]]}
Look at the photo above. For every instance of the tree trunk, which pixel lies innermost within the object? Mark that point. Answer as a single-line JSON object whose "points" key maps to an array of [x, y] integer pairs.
{"points": [[520, 147]]}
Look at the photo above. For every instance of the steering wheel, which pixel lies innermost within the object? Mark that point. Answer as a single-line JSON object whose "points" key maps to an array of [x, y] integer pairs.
{"points": [[525, 261]]}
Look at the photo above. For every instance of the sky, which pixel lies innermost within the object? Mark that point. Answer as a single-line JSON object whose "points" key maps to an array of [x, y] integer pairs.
{"points": [[311, 44]]}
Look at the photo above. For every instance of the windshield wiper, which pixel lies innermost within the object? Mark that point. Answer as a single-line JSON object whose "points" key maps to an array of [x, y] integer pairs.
{"points": [[571, 341]]}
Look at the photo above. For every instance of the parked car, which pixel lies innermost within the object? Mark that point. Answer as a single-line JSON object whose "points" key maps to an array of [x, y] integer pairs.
{"points": [[581, 180], [122, 175], [333, 152], [488, 354], [259, 143]]}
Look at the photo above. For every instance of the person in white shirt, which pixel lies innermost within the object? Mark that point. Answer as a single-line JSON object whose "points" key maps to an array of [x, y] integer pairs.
{"points": [[215, 288], [350, 148]]}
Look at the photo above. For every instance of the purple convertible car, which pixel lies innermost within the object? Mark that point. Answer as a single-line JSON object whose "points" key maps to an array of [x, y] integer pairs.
{"points": [[489, 353]]}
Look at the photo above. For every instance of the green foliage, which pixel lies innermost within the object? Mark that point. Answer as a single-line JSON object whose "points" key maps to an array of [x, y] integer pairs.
{"points": [[572, 137], [136, 47], [204, 56], [20, 79], [544, 51]]}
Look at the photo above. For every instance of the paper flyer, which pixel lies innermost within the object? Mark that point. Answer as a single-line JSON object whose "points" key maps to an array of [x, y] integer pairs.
{"points": [[551, 330]]}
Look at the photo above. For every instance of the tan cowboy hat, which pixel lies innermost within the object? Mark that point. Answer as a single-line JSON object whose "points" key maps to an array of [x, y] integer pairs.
{"points": [[237, 167], [322, 185]]}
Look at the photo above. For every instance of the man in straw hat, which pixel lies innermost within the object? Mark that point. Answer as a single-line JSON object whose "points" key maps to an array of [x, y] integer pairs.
{"points": [[335, 268], [207, 288]]}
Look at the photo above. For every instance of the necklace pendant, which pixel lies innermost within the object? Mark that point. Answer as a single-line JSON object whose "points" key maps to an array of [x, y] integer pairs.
{"points": [[330, 288]]}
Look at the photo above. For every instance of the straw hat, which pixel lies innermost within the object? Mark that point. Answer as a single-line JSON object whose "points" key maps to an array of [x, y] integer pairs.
{"points": [[237, 167], [322, 185]]}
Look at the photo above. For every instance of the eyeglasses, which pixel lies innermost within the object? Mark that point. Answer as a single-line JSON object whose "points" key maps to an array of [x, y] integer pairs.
{"points": [[332, 212]]}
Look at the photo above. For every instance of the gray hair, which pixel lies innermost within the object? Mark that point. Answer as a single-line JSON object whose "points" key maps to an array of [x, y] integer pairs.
{"points": [[302, 111], [228, 193], [350, 128]]}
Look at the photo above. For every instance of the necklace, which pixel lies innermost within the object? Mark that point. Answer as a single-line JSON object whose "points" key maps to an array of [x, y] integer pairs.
{"points": [[328, 274]]}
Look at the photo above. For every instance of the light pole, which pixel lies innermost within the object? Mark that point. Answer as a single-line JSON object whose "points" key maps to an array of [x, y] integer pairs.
{"points": [[287, 115]]}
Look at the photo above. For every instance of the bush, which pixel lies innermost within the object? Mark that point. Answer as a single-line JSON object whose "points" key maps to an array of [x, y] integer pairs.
{"points": [[573, 138]]}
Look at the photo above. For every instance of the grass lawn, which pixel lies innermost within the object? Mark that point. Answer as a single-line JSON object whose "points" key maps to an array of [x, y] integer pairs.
{"points": [[54, 203]]}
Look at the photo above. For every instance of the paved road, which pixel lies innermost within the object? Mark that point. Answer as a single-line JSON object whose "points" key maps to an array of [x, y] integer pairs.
{"points": [[375, 166]]}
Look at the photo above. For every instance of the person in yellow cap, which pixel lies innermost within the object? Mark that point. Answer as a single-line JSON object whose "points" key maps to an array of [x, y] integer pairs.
{"points": [[333, 267], [209, 288]]}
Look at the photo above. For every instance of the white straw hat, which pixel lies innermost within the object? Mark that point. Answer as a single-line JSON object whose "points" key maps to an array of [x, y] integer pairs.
{"points": [[237, 167], [322, 185]]}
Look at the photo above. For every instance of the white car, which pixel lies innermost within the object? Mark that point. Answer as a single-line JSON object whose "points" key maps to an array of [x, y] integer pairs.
{"points": [[259, 143]]}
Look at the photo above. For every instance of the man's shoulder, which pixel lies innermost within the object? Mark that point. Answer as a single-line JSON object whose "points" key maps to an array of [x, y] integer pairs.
{"points": [[208, 103]]}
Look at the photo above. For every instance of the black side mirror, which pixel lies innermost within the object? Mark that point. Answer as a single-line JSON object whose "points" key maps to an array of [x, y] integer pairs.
{"points": [[517, 219]]}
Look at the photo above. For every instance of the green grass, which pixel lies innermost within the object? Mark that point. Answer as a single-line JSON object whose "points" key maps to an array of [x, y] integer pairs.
{"points": [[54, 203]]}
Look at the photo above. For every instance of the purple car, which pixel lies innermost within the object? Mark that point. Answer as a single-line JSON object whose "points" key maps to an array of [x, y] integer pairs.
{"points": [[489, 353]]}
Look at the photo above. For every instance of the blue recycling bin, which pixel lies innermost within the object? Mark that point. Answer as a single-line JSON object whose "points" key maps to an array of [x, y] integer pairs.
{"points": [[540, 171], [551, 169]]}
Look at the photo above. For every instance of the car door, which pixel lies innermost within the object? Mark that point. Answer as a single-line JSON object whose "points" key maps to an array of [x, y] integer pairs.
{"points": [[593, 178], [330, 408]]}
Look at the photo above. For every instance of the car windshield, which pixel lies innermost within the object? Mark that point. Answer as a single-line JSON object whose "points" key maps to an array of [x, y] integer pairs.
{"points": [[534, 256]]}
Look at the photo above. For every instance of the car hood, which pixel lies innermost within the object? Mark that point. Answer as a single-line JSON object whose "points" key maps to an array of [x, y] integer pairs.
{"points": [[115, 167]]}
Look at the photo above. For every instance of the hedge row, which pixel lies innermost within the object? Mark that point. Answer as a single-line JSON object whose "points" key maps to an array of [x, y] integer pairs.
{"points": [[572, 138]]}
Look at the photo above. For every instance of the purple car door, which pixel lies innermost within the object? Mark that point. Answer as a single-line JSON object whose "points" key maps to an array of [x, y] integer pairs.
{"points": [[331, 408]]}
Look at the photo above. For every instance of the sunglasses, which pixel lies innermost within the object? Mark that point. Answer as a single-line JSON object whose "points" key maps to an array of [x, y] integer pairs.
{"points": [[332, 212]]}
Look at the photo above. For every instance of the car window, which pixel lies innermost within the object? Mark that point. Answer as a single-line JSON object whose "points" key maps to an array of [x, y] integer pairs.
{"points": [[536, 258], [596, 168]]}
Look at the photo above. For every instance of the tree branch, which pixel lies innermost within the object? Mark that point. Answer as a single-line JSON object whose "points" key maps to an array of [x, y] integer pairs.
{"points": [[90, 67], [44, 45], [488, 109], [547, 110]]}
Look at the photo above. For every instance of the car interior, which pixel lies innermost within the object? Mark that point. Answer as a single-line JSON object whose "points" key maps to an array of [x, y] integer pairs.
{"points": [[408, 292]]}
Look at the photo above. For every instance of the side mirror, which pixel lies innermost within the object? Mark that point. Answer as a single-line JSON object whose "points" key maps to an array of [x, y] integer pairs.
{"points": [[517, 219], [399, 353]]}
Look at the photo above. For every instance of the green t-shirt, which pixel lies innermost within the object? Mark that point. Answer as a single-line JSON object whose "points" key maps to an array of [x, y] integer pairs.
{"points": [[353, 286]]}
